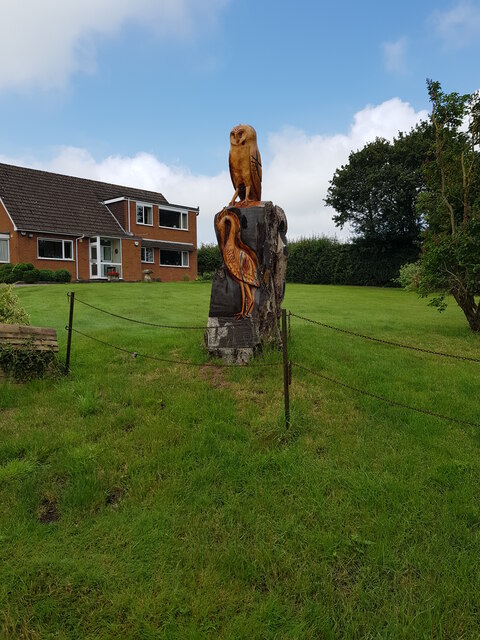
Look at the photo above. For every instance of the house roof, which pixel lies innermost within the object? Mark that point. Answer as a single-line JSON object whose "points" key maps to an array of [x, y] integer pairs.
{"points": [[43, 201]]}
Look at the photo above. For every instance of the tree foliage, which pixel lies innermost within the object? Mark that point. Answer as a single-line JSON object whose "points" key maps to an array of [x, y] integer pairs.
{"points": [[451, 203], [376, 191]]}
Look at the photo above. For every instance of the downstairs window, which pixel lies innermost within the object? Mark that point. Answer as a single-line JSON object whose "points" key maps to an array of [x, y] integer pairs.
{"points": [[173, 258]]}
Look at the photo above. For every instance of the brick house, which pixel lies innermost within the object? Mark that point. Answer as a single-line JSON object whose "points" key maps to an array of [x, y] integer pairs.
{"points": [[92, 228]]}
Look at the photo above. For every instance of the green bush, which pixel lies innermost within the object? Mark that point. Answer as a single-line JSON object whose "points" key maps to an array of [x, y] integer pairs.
{"points": [[19, 270], [25, 362], [11, 311], [31, 276], [62, 275], [409, 276], [6, 273], [47, 275]]}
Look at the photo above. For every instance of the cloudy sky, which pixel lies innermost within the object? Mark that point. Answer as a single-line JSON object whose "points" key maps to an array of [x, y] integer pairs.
{"points": [[145, 92]]}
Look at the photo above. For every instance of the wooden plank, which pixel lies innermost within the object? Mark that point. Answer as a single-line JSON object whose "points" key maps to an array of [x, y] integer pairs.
{"points": [[15, 329], [38, 346], [43, 338]]}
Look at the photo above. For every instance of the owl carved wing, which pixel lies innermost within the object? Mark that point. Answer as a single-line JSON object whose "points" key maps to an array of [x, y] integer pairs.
{"points": [[256, 173]]}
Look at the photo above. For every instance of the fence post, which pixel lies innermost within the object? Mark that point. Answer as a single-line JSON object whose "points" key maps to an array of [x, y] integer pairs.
{"points": [[289, 324], [285, 369], [69, 329]]}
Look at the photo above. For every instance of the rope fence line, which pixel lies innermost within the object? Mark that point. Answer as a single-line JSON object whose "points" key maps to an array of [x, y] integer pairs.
{"points": [[136, 354], [287, 364], [388, 342], [393, 403], [149, 324]]}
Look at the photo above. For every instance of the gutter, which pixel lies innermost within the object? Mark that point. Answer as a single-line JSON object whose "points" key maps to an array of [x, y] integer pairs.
{"points": [[76, 251]]}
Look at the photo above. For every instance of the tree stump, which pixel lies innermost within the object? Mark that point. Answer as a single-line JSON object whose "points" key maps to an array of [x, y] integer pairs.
{"points": [[248, 289]]}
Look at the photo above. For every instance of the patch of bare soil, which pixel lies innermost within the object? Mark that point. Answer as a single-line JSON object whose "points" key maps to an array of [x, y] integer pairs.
{"points": [[215, 376], [48, 511], [114, 496]]}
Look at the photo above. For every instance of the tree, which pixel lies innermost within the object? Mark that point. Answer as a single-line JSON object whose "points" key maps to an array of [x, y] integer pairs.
{"points": [[376, 191], [450, 262]]}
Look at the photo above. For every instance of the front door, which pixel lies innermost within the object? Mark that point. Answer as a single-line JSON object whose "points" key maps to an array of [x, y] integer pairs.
{"points": [[105, 257]]}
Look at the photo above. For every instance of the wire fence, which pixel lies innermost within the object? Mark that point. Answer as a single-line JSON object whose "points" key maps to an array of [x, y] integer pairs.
{"points": [[135, 320], [387, 342], [188, 363], [287, 364]]}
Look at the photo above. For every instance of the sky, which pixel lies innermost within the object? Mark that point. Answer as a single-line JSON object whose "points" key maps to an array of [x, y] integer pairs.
{"points": [[145, 92]]}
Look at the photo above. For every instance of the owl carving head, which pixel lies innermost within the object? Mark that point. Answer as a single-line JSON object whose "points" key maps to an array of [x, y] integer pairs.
{"points": [[242, 134]]}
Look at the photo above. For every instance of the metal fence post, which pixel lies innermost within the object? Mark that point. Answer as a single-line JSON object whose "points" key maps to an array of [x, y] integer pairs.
{"points": [[69, 329], [285, 369]]}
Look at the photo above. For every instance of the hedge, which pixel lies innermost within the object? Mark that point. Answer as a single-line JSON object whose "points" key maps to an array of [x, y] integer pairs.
{"points": [[327, 261], [321, 260], [11, 273]]}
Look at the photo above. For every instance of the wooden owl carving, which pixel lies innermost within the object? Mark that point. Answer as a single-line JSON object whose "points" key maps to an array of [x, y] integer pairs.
{"points": [[245, 164]]}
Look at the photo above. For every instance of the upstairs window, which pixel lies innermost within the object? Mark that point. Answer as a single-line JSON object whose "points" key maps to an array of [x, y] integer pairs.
{"points": [[4, 249], [173, 219], [49, 249], [145, 214]]}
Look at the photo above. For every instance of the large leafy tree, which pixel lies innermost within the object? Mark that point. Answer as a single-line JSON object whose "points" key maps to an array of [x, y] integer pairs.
{"points": [[450, 261], [376, 191]]}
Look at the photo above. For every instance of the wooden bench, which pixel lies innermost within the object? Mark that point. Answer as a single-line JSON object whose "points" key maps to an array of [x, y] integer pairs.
{"points": [[43, 338]]}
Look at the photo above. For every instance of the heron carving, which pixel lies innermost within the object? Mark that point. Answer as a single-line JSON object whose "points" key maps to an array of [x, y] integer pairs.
{"points": [[240, 261]]}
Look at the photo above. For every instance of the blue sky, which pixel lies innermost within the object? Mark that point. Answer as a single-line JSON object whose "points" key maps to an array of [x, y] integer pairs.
{"points": [[145, 92]]}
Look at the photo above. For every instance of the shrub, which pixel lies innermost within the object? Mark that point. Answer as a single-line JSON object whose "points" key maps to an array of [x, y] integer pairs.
{"points": [[207, 275], [10, 310], [62, 275], [25, 362], [409, 276], [47, 275], [6, 273], [19, 270], [31, 276]]}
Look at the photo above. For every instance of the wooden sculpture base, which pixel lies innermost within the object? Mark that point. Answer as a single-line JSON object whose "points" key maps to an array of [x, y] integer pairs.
{"points": [[235, 331]]}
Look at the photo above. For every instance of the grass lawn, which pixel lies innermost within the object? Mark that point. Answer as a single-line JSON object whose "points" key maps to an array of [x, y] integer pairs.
{"points": [[142, 500]]}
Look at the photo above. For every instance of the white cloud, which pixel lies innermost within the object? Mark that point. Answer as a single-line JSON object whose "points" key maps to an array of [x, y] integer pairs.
{"points": [[44, 42], [296, 176], [460, 25], [394, 54]]}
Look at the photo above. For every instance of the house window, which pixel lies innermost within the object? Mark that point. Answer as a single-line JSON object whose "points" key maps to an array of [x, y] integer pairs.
{"points": [[173, 219], [173, 258], [147, 254], [55, 249], [4, 248], [145, 214]]}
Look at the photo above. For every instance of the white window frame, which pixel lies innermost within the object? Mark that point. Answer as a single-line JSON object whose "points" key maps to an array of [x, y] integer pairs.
{"points": [[39, 257], [182, 218], [185, 259], [144, 205], [4, 236], [142, 249]]}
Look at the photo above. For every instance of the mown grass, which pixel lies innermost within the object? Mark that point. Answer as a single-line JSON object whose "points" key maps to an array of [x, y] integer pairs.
{"points": [[147, 500]]}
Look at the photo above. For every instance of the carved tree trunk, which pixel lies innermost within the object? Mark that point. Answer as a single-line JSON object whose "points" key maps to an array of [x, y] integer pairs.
{"points": [[240, 231]]}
